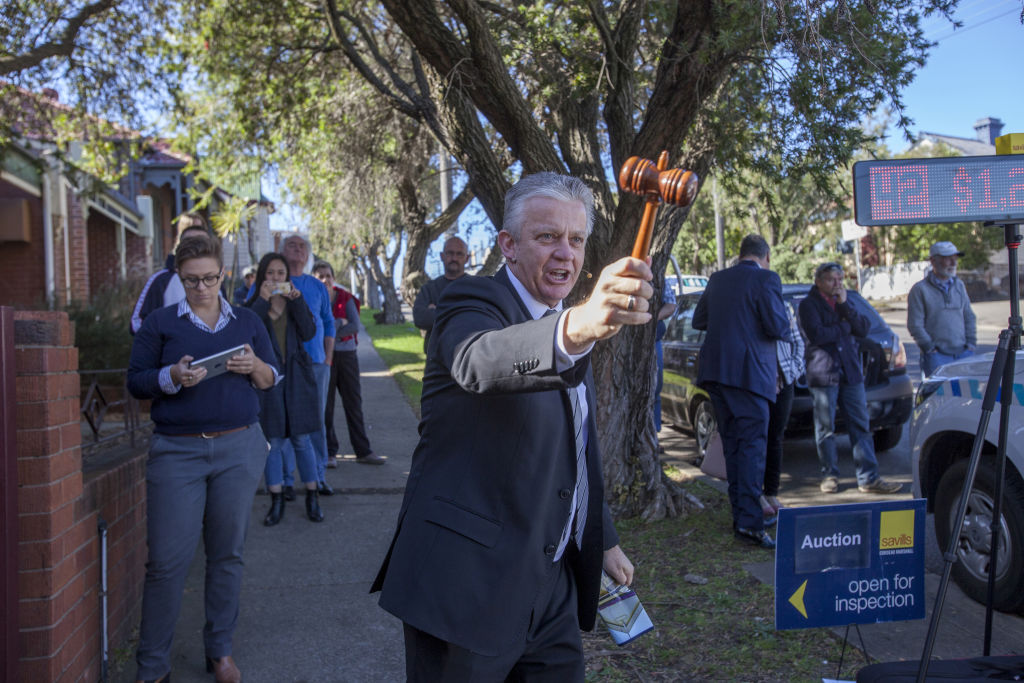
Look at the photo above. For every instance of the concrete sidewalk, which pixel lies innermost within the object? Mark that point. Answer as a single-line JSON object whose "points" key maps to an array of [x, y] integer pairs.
{"points": [[306, 614]]}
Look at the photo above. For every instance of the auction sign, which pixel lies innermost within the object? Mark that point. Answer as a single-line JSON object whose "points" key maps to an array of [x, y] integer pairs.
{"points": [[850, 564]]}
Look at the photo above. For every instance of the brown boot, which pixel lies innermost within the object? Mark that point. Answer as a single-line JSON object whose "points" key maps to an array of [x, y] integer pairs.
{"points": [[223, 669]]}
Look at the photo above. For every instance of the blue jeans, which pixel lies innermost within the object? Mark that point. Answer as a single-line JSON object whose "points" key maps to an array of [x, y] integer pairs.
{"points": [[930, 362], [322, 373], [658, 383], [851, 399], [298, 447]]}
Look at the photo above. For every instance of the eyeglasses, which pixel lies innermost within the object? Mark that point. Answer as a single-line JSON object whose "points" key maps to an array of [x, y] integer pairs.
{"points": [[193, 282]]}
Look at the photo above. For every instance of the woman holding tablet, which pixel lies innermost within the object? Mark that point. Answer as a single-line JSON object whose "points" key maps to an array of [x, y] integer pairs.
{"points": [[205, 454], [289, 410]]}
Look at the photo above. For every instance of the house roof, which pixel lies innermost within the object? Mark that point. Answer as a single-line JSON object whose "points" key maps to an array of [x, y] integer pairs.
{"points": [[31, 115], [966, 146], [160, 153]]}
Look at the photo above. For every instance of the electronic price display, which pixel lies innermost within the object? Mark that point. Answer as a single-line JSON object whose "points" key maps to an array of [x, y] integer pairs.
{"points": [[942, 190]]}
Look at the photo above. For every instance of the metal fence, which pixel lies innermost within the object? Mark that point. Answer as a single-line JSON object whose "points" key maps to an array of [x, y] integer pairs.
{"points": [[110, 414]]}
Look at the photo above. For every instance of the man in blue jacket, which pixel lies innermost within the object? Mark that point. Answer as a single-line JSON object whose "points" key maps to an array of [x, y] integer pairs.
{"points": [[743, 313], [830, 323]]}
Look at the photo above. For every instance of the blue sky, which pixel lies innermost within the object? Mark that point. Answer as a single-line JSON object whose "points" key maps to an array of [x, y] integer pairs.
{"points": [[972, 72]]}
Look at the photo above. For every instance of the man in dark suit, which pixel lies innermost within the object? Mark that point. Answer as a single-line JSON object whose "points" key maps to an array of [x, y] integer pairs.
{"points": [[744, 315], [503, 531]]}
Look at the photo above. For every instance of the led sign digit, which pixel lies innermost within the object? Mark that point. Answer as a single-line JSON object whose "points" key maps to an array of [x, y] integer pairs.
{"points": [[942, 190]]}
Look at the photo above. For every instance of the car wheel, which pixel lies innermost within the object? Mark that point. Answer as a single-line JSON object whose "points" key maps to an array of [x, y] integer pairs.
{"points": [[887, 438], [973, 550], [704, 425]]}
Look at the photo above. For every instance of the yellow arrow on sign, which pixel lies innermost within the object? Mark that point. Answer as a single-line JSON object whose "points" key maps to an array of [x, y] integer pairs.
{"points": [[797, 599]]}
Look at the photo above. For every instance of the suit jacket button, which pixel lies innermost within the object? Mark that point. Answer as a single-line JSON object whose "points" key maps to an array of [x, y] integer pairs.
{"points": [[550, 549], [564, 494]]}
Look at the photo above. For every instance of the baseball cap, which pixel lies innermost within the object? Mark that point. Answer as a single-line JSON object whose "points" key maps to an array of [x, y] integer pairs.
{"points": [[944, 249], [249, 270]]}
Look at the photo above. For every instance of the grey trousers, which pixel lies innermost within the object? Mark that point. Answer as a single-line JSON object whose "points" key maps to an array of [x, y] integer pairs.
{"points": [[194, 487]]}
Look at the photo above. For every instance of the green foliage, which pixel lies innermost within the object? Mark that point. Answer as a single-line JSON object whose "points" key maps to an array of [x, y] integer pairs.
{"points": [[103, 326], [99, 57]]}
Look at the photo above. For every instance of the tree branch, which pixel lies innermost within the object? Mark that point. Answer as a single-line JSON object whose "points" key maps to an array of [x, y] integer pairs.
{"points": [[63, 46]]}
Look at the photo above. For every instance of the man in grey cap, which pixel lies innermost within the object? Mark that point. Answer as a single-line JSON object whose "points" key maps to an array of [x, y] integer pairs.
{"points": [[939, 314]]}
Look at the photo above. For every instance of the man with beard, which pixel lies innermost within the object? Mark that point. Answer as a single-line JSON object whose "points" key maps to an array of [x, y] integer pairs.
{"points": [[939, 314], [424, 309]]}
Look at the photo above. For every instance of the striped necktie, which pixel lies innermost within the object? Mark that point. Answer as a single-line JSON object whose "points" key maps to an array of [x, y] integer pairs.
{"points": [[582, 484]]}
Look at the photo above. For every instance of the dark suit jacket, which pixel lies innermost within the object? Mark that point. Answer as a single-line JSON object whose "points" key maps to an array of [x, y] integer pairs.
{"points": [[492, 477], [743, 313]]}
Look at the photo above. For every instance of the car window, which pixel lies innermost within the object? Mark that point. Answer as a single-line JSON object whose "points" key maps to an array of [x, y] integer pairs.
{"points": [[680, 326]]}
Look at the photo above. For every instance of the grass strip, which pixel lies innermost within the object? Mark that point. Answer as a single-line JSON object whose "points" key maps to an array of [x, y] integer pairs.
{"points": [[713, 621], [401, 348]]}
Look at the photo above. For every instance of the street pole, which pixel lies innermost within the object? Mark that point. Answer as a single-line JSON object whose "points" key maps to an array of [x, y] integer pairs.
{"points": [[719, 225]]}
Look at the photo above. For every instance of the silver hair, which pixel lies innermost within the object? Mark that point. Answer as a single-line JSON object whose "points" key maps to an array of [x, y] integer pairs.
{"points": [[826, 268], [545, 184], [292, 235]]}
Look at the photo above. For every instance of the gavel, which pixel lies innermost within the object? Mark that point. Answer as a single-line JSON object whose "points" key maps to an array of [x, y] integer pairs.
{"points": [[673, 186]]}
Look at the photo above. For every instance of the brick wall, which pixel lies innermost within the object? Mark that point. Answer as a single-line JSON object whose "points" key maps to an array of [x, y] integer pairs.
{"points": [[59, 509], [137, 258], [22, 270], [104, 259]]}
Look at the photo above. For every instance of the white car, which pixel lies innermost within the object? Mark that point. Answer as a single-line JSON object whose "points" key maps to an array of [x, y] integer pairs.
{"points": [[686, 284], [945, 420]]}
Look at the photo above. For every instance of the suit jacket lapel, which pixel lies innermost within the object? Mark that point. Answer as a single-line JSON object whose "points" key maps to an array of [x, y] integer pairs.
{"points": [[502, 277]]}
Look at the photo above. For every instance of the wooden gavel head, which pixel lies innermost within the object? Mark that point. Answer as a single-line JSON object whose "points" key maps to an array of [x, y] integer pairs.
{"points": [[673, 186]]}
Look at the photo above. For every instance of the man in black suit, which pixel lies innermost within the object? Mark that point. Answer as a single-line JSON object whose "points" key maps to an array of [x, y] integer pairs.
{"points": [[503, 531], [744, 315]]}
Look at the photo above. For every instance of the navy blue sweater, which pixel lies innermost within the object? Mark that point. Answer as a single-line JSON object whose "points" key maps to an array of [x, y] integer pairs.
{"points": [[215, 404]]}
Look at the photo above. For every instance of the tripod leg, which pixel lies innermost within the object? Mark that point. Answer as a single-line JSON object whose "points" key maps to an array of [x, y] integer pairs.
{"points": [[1006, 398]]}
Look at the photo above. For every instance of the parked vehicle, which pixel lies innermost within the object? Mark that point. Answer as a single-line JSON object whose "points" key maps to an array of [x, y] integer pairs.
{"points": [[686, 284], [889, 391], [945, 421]]}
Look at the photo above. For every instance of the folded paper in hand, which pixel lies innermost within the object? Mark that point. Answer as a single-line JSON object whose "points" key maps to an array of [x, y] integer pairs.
{"points": [[620, 610]]}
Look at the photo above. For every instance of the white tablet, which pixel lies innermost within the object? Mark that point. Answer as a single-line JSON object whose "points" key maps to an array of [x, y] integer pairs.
{"points": [[217, 364]]}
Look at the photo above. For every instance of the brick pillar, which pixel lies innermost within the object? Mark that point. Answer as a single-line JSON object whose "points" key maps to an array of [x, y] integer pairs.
{"points": [[58, 569]]}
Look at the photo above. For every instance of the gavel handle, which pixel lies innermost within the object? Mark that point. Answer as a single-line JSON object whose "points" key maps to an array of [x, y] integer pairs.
{"points": [[642, 245]]}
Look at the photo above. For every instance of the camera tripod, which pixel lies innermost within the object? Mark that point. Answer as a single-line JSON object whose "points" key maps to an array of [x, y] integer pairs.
{"points": [[1000, 383]]}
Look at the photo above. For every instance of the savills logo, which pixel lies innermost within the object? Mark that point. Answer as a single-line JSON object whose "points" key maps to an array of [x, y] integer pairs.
{"points": [[896, 529]]}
